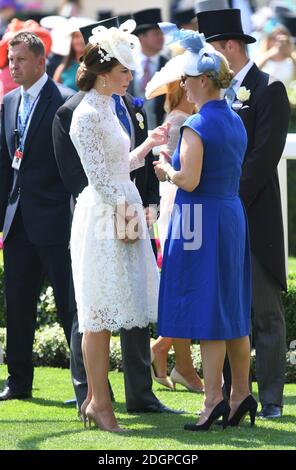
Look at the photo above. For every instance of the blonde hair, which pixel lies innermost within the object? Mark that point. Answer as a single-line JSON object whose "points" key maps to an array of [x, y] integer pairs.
{"points": [[173, 96], [225, 75]]}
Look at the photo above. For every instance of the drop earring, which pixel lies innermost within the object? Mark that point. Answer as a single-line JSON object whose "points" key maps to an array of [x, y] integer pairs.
{"points": [[104, 83]]}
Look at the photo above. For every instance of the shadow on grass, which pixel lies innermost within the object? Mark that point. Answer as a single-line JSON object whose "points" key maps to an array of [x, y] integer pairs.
{"points": [[242, 437], [152, 428], [288, 400]]}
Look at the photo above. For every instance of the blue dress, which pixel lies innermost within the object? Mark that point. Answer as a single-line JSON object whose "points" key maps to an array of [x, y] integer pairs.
{"points": [[68, 76], [205, 289]]}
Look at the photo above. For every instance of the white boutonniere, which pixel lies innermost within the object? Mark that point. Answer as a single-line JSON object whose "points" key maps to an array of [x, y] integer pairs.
{"points": [[243, 94], [140, 120]]}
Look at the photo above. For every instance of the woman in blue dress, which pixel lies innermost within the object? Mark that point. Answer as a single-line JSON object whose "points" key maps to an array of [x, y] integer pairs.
{"points": [[205, 290]]}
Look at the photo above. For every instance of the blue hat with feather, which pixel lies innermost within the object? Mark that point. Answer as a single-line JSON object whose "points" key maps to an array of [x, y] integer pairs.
{"points": [[199, 56]]}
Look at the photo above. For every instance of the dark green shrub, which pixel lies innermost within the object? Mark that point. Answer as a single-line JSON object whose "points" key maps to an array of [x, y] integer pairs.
{"points": [[291, 182], [289, 301]]}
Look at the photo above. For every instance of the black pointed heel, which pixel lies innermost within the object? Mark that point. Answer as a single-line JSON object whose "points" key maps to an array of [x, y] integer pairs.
{"points": [[222, 409], [248, 405]]}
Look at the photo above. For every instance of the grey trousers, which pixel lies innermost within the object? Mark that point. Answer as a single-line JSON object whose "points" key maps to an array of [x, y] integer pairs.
{"points": [[135, 347], [269, 335]]}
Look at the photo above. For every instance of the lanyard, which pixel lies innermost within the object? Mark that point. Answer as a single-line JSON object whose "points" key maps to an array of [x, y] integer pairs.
{"points": [[23, 128]]}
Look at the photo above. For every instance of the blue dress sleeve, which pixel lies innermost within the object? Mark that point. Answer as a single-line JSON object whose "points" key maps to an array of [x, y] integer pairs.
{"points": [[195, 123]]}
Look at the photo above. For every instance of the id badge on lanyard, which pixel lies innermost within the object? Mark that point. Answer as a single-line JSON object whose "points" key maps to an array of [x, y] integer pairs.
{"points": [[20, 136], [17, 159]]}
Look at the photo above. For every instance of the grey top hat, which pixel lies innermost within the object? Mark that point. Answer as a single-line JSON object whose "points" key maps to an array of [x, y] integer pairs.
{"points": [[206, 5]]}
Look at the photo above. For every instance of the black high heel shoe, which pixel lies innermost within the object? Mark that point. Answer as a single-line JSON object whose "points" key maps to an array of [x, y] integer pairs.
{"points": [[222, 409], [248, 405]]}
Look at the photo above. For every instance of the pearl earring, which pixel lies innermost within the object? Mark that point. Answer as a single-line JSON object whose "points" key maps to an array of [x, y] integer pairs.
{"points": [[104, 83]]}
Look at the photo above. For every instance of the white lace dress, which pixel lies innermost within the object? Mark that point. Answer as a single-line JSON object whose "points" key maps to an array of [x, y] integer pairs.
{"points": [[116, 283]]}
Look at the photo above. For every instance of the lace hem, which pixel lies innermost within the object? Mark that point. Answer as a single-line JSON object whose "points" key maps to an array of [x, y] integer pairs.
{"points": [[103, 320]]}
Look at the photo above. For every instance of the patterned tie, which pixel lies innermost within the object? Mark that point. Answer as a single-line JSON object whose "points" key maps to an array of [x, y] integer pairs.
{"points": [[24, 111], [229, 93], [146, 74], [122, 114]]}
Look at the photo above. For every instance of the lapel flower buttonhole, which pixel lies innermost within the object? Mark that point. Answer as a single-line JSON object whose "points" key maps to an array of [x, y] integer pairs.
{"points": [[243, 94], [137, 102], [140, 120]]}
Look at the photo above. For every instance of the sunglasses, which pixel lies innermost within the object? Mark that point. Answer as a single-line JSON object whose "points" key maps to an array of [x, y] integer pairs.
{"points": [[185, 76]]}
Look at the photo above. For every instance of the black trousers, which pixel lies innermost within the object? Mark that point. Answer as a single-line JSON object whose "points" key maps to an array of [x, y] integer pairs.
{"points": [[269, 338], [25, 268]]}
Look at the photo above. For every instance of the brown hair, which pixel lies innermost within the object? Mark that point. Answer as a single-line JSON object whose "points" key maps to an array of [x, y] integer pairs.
{"points": [[33, 42], [173, 96], [91, 67], [225, 75]]}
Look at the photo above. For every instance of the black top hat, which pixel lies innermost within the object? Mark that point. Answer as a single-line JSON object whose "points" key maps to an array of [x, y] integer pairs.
{"points": [[183, 17], [289, 20], [86, 31], [147, 19], [104, 15], [222, 24], [123, 18]]}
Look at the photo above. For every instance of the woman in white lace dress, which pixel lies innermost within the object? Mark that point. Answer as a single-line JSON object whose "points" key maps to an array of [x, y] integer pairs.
{"points": [[115, 274]]}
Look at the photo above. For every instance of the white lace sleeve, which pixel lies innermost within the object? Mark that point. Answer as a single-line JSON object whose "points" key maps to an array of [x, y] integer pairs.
{"points": [[87, 135], [135, 160]]}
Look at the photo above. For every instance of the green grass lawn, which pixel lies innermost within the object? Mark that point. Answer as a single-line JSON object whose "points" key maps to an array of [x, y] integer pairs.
{"points": [[292, 265], [44, 422]]}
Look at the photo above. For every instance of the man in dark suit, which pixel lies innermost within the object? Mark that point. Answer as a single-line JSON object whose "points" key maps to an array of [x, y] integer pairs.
{"points": [[264, 108], [135, 343], [34, 208], [149, 61]]}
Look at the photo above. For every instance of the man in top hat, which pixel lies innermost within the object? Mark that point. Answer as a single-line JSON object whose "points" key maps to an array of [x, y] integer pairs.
{"points": [[149, 61], [261, 102], [185, 19], [135, 343]]}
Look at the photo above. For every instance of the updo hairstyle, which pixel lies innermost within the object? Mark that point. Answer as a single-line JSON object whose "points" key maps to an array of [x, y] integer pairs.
{"points": [[225, 75], [91, 66]]}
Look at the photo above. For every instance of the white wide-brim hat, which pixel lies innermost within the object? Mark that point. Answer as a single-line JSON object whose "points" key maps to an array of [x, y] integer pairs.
{"points": [[62, 29], [169, 73]]}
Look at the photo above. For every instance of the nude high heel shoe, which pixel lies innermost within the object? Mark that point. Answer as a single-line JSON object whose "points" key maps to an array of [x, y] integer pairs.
{"points": [[82, 411], [94, 417], [165, 381], [177, 378]]}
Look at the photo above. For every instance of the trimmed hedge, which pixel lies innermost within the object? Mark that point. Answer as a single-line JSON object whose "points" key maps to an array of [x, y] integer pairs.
{"points": [[50, 346], [47, 310], [50, 349]]}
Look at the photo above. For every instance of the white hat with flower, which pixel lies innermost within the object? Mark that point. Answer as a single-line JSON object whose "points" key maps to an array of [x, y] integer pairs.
{"points": [[117, 43]]}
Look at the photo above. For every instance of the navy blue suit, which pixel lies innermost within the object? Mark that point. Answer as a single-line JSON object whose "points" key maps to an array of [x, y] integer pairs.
{"points": [[35, 218]]}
